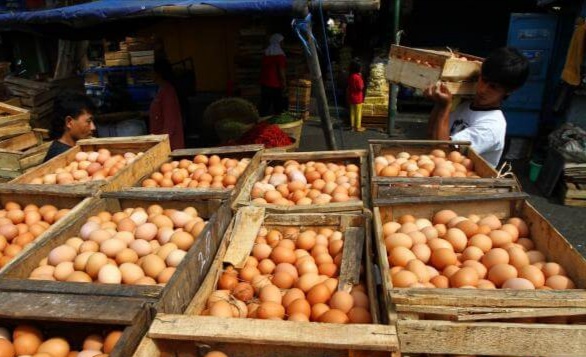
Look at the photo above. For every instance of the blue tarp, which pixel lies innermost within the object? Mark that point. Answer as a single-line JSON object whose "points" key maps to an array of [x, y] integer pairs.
{"points": [[108, 10]]}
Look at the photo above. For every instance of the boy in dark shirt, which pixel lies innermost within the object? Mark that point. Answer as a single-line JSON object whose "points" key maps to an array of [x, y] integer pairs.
{"points": [[73, 121]]}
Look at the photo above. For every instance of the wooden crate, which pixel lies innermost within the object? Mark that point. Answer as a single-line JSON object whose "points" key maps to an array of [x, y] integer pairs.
{"points": [[419, 68], [255, 337], [172, 298], [357, 157], [426, 189], [487, 322], [574, 194], [74, 317], [10, 115], [21, 153], [236, 152], [154, 147], [76, 204]]}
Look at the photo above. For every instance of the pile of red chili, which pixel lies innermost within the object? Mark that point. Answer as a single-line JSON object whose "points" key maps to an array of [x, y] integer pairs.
{"points": [[268, 134]]}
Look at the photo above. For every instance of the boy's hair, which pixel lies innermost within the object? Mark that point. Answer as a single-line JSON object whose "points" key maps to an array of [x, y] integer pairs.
{"points": [[69, 103], [355, 66], [507, 67]]}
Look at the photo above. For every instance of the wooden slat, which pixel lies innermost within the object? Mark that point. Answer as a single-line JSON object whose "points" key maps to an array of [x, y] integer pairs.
{"points": [[21, 142], [247, 223], [490, 298], [488, 313], [217, 150], [252, 331], [493, 339], [132, 335], [387, 201], [351, 258], [69, 308], [163, 194]]}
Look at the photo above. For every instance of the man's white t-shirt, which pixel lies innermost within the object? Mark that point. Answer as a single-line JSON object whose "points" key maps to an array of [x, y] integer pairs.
{"points": [[484, 128]]}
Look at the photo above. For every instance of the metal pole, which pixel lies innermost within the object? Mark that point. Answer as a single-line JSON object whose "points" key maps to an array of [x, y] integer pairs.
{"points": [[322, 101], [394, 88]]}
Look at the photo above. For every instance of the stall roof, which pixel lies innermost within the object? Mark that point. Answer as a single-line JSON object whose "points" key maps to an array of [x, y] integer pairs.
{"points": [[95, 12]]}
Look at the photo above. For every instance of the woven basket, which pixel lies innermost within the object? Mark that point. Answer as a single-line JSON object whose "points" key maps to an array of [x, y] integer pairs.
{"points": [[288, 148], [293, 129]]}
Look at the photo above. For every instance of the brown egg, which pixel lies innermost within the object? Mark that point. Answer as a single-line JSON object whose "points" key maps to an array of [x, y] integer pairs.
{"points": [[457, 239], [479, 267], [495, 256], [334, 316], [93, 342], [359, 315], [56, 347], [299, 306], [492, 221], [517, 257], [283, 280], [533, 274], [500, 273], [441, 258], [6, 348], [281, 254], [109, 274], [94, 263], [400, 256], [522, 227], [320, 293], [79, 277], [551, 269], [26, 344], [481, 241], [500, 238], [165, 275], [438, 243], [422, 252], [466, 276], [468, 227], [418, 268], [183, 240], [62, 253], [440, 282], [518, 284], [472, 253], [342, 301], [403, 279], [63, 270], [152, 265], [535, 256], [126, 255], [485, 284], [559, 282]]}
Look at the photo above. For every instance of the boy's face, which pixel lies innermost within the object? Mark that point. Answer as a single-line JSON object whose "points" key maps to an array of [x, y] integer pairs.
{"points": [[489, 94], [80, 127]]}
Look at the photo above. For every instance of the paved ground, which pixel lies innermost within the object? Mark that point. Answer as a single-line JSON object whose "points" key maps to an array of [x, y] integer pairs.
{"points": [[570, 221]]}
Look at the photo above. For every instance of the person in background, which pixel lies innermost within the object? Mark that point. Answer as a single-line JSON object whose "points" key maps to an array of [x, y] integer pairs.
{"points": [[480, 121], [165, 111], [73, 121], [273, 82], [355, 95]]}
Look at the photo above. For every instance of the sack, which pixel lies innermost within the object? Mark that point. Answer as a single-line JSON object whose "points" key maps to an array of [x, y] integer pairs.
{"points": [[570, 141]]}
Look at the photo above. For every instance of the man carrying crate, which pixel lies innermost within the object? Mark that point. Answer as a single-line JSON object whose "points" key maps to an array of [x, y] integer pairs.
{"points": [[480, 121]]}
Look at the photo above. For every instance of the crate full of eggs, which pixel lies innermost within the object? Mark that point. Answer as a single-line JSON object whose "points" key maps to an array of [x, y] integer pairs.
{"points": [[491, 269], [425, 170], [92, 165], [284, 285]]}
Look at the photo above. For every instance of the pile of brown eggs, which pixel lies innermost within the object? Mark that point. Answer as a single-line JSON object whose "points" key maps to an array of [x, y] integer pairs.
{"points": [[453, 251], [290, 275], [202, 172], [307, 183], [88, 166], [28, 340], [20, 226], [436, 163], [134, 246]]}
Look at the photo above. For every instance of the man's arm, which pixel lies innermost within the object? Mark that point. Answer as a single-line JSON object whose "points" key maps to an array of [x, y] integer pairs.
{"points": [[439, 119]]}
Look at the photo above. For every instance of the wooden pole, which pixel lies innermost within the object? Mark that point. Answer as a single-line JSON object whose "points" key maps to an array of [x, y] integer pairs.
{"points": [[318, 85]]}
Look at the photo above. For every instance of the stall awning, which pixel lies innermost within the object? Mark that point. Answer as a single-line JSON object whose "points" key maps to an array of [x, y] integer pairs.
{"points": [[89, 14]]}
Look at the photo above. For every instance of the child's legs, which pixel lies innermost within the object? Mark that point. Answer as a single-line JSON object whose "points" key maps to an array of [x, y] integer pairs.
{"points": [[353, 115], [358, 115]]}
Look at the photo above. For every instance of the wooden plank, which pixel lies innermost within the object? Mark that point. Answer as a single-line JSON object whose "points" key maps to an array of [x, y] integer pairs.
{"points": [[488, 313], [455, 69], [132, 335], [69, 308], [10, 160], [484, 338], [351, 258], [387, 201], [217, 150], [15, 129], [490, 298], [248, 221], [163, 194], [253, 331], [388, 308], [21, 142]]}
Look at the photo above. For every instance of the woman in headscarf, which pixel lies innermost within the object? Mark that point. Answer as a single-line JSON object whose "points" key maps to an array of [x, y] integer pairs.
{"points": [[272, 77]]}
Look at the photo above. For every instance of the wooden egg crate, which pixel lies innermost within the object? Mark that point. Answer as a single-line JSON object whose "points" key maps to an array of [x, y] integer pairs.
{"points": [[21, 153], [252, 152], [172, 297], [154, 148], [498, 322], [75, 317], [75, 204], [13, 120], [429, 189], [357, 157], [419, 68], [250, 337]]}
